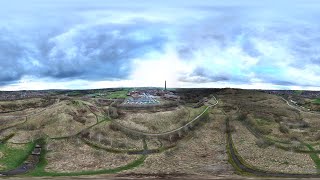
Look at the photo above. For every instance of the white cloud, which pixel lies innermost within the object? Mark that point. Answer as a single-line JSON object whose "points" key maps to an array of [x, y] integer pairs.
{"points": [[80, 44]]}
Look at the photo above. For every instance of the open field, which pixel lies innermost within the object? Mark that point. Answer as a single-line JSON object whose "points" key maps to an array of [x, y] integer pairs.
{"points": [[316, 101], [202, 152], [12, 155], [73, 155], [89, 133], [156, 122], [269, 158]]}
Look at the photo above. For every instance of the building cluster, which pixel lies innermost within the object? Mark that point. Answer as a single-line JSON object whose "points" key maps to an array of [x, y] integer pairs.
{"points": [[14, 95], [306, 94], [155, 93], [149, 96], [144, 99]]}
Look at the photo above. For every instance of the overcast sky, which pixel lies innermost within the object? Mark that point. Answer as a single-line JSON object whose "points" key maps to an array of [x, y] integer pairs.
{"points": [[79, 44]]}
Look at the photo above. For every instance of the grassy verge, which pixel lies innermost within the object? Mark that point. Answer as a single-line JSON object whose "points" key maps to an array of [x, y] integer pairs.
{"points": [[234, 164], [14, 157], [194, 112], [316, 101], [6, 138], [314, 157]]}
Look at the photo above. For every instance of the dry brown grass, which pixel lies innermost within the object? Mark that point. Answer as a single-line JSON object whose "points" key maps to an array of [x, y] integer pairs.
{"points": [[73, 156], [56, 121], [102, 134], [203, 152], [266, 113], [18, 105], [8, 121], [269, 158], [156, 122]]}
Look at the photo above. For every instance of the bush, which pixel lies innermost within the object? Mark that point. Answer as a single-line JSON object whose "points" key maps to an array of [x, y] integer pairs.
{"points": [[243, 116], [262, 143], [304, 124], [114, 127], [28, 127], [283, 128], [317, 136], [113, 112]]}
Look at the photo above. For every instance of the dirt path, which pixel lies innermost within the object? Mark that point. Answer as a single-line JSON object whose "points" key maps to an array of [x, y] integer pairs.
{"points": [[299, 109], [174, 130], [24, 116], [257, 172]]}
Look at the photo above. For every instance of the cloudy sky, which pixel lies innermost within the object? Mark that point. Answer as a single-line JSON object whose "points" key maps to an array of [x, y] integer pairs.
{"points": [[79, 44]]}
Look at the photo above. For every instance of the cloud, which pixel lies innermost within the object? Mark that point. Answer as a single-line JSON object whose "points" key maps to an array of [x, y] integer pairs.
{"points": [[102, 51], [89, 52], [195, 43]]}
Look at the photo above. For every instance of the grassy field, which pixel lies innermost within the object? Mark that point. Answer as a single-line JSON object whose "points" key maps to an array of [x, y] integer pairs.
{"points": [[43, 169], [202, 153], [298, 92], [316, 101], [72, 155], [11, 156], [105, 136], [117, 94], [269, 158], [156, 122]]}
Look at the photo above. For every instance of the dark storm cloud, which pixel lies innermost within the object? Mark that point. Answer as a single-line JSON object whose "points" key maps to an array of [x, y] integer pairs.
{"points": [[103, 52], [11, 58], [97, 52]]}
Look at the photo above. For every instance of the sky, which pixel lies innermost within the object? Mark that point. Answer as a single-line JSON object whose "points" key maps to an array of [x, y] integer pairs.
{"points": [[81, 44]]}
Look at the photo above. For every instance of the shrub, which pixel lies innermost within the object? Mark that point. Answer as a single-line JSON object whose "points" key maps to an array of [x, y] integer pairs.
{"points": [[304, 124], [283, 128], [28, 127], [317, 136], [114, 127], [113, 112], [262, 143], [243, 116]]}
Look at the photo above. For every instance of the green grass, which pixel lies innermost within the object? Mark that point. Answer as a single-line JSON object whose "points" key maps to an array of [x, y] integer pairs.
{"points": [[316, 101], [117, 94], [262, 122], [314, 157], [298, 92], [14, 157], [74, 93], [194, 112]]}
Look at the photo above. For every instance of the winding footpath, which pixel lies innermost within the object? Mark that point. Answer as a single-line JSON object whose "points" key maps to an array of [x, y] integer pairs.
{"points": [[299, 109], [258, 172], [22, 116], [171, 131], [240, 165]]}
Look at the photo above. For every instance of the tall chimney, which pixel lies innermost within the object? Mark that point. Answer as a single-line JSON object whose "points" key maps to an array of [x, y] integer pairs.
{"points": [[165, 85]]}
